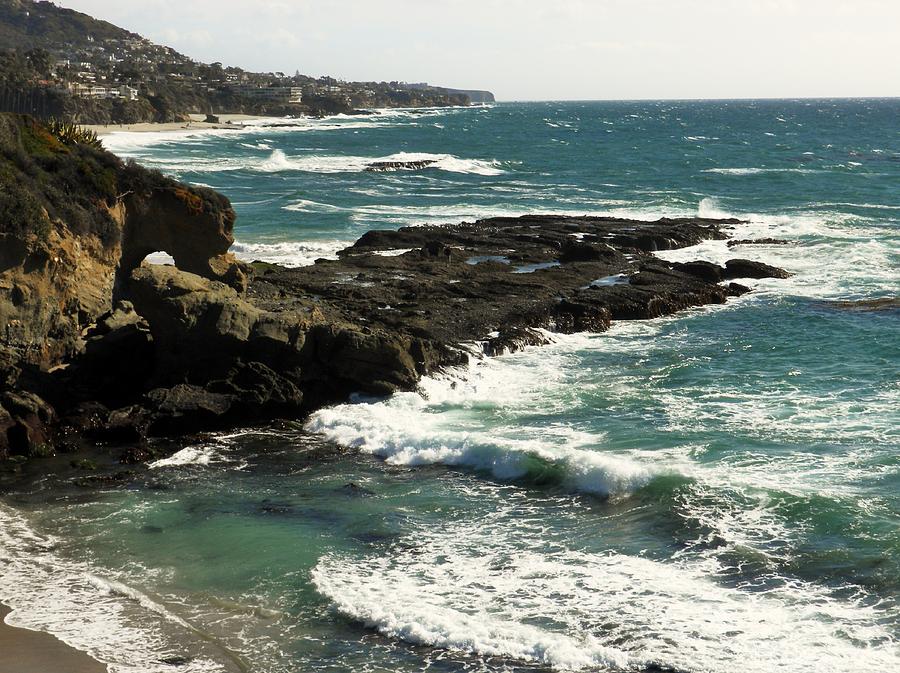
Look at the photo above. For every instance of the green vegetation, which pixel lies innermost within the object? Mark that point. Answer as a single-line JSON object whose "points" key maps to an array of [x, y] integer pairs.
{"points": [[55, 173], [72, 134], [55, 62], [26, 25], [263, 268]]}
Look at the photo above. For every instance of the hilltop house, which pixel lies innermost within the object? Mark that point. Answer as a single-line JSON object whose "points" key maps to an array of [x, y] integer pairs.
{"points": [[280, 94]]}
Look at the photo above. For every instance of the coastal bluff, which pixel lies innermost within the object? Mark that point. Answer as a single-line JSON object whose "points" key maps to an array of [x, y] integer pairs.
{"points": [[100, 347]]}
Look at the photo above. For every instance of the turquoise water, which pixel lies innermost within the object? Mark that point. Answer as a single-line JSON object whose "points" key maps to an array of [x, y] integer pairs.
{"points": [[715, 491]]}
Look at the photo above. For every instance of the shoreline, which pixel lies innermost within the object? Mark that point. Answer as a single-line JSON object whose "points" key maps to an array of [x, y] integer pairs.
{"points": [[27, 651], [227, 122]]}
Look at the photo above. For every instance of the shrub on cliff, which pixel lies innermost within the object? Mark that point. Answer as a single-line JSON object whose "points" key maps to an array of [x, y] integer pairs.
{"points": [[58, 172], [72, 134], [40, 173]]}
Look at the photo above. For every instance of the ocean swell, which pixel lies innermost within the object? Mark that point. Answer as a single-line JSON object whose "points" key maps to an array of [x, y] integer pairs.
{"points": [[414, 429]]}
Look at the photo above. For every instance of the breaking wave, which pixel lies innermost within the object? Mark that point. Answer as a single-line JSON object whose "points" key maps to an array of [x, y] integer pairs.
{"points": [[469, 589], [279, 162], [411, 429], [70, 600], [288, 253]]}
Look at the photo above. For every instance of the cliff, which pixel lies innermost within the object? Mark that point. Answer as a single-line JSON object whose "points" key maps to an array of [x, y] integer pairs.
{"points": [[74, 222], [100, 348], [74, 219]]}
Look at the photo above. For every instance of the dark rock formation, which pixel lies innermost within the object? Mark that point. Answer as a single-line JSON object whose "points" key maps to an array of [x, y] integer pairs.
{"points": [[745, 268], [758, 241], [712, 273], [388, 166], [129, 350], [25, 424]]}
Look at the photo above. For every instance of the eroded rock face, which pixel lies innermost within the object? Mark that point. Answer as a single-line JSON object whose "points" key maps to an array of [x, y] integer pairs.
{"points": [[52, 286], [119, 355], [25, 424], [200, 325], [73, 221], [193, 225]]}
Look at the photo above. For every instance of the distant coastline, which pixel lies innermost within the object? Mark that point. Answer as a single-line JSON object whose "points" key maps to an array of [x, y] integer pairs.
{"points": [[63, 64]]}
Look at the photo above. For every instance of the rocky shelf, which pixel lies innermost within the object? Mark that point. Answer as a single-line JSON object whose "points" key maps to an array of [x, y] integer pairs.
{"points": [[142, 350]]}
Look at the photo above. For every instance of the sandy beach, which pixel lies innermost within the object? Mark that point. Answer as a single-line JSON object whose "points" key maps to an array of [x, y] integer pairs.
{"points": [[226, 122], [24, 651]]}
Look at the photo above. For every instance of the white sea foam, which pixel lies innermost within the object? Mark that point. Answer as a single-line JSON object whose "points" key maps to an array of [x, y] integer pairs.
{"points": [[289, 253], [69, 599], [194, 455], [308, 206], [760, 171], [502, 587], [127, 142], [453, 213], [278, 162], [411, 429], [159, 258], [836, 254], [130, 143], [396, 252]]}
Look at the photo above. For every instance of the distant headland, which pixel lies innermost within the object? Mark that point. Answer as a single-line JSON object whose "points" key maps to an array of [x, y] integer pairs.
{"points": [[56, 62]]}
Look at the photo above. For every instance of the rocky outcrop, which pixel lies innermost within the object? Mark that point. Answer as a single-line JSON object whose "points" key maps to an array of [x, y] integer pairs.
{"points": [[746, 268], [74, 220], [103, 347], [757, 241], [389, 166], [193, 225]]}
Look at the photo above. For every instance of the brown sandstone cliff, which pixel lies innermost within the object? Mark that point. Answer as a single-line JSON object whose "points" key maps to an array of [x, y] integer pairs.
{"points": [[75, 221]]}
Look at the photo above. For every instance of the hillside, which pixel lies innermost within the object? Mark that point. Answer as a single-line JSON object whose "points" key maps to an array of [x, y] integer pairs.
{"points": [[28, 25], [56, 62]]}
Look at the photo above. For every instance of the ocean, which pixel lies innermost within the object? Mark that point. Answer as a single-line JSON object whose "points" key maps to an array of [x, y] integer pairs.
{"points": [[716, 491]]}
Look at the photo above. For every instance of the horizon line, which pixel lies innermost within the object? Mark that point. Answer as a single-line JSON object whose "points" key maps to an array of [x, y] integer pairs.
{"points": [[689, 99]]}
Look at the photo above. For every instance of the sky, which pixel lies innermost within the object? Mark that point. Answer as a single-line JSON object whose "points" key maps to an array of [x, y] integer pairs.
{"points": [[545, 49]]}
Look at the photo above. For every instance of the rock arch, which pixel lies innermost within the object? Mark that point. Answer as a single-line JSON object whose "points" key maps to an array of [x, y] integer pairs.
{"points": [[193, 226]]}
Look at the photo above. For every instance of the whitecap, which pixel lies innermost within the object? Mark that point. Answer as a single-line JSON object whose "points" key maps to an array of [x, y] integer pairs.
{"points": [[191, 455], [288, 253], [409, 429], [278, 161], [761, 171], [504, 587], [308, 206]]}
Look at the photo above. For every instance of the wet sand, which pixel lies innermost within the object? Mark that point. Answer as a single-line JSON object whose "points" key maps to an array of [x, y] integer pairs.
{"points": [[24, 651]]}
